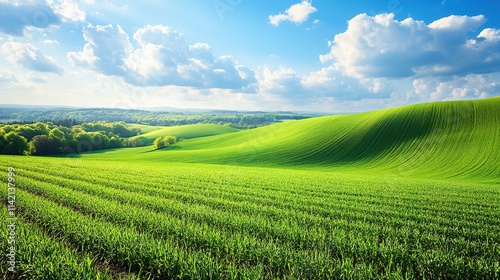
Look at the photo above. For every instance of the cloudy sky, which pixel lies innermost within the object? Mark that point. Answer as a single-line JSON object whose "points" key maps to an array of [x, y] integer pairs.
{"points": [[320, 55]]}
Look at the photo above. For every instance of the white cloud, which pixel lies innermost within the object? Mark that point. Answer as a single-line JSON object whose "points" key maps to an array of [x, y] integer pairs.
{"points": [[161, 58], [30, 57], [50, 42], [490, 34], [471, 86], [325, 83], [281, 81], [381, 46], [105, 50], [199, 46], [458, 23], [331, 82], [69, 11], [297, 13]]}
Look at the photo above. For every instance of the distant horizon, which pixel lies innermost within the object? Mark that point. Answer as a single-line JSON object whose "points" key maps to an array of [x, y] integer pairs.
{"points": [[178, 109], [161, 109]]}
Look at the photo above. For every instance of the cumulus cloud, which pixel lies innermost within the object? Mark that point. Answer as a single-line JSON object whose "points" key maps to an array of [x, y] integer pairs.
{"points": [[30, 57], [331, 82], [16, 17], [471, 86], [161, 58], [105, 50], [297, 13], [380, 46], [325, 83], [69, 11], [280, 81]]}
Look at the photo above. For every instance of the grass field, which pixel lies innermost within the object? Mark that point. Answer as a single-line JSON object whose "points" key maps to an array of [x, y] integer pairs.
{"points": [[144, 128], [183, 132], [403, 193]]}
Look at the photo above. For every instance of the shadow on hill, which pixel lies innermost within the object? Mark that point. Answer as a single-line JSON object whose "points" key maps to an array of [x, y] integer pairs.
{"points": [[169, 148], [388, 133]]}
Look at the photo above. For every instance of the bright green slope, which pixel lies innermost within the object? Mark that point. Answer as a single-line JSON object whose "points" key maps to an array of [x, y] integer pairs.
{"points": [[144, 128], [186, 131], [438, 140]]}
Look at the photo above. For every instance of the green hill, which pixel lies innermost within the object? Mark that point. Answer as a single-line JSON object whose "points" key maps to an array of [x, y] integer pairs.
{"points": [[144, 128], [186, 131], [438, 140]]}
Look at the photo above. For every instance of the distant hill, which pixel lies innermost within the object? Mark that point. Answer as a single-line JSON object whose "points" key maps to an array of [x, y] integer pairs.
{"points": [[185, 131]]}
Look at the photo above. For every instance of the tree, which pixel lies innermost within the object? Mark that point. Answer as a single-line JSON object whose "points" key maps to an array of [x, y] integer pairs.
{"points": [[121, 128], [3, 142], [85, 142], [159, 143], [115, 142], [99, 140], [56, 133], [73, 146], [137, 141], [15, 144], [46, 145], [27, 132], [170, 140], [162, 142], [8, 128], [41, 128]]}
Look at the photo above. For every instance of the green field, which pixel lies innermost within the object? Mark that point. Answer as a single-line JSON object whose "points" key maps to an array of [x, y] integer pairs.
{"points": [[183, 132], [403, 193]]}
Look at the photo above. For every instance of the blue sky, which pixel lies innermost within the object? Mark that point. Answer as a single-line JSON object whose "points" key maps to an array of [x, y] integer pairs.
{"points": [[249, 55]]}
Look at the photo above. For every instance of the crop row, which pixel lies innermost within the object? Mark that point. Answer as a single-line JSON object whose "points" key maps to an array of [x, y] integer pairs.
{"points": [[305, 212], [207, 225], [164, 258], [444, 206], [23, 245]]}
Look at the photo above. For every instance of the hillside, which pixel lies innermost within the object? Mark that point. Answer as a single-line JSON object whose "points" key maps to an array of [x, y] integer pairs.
{"points": [[442, 139], [185, 131]]}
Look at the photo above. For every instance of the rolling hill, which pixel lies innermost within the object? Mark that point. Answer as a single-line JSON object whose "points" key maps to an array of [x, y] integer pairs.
{"points": [[185, 131], [438, 140]]}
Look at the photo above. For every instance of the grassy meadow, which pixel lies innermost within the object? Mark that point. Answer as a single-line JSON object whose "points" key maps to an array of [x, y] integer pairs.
{"points": [[403, 193]]}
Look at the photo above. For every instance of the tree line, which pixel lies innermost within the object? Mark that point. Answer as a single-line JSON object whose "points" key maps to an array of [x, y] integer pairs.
{"points": [[47, 138], [236, 119]]}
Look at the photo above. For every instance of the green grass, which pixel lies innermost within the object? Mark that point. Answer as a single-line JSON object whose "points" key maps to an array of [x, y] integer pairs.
{"points": [[144, 128], [39, 256], [164, 220], [403, 193], [185, 131]]}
